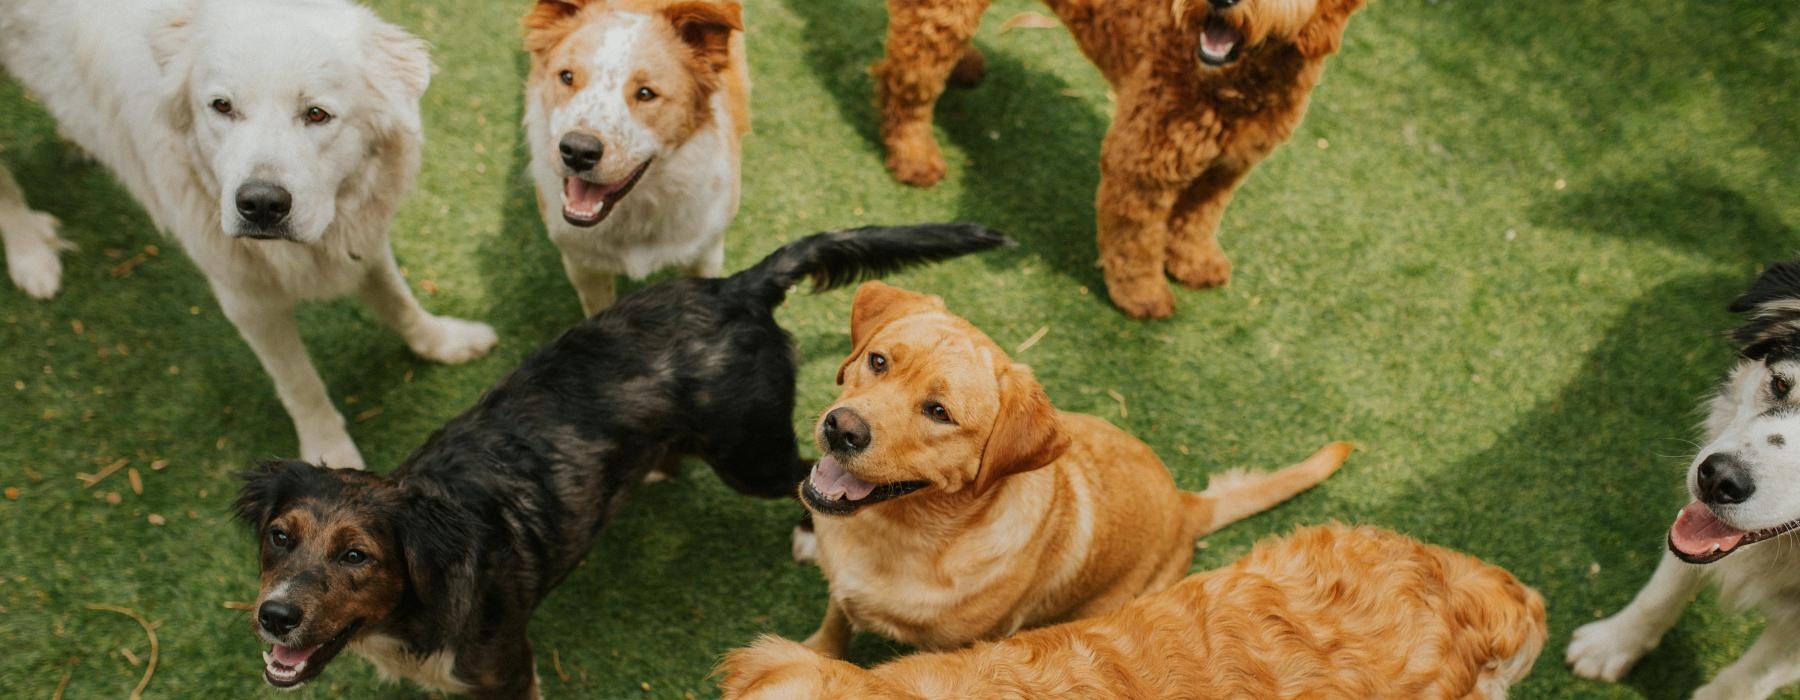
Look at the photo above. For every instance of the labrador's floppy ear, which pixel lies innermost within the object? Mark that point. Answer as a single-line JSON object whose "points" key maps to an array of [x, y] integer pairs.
{"points": [[1027, 433], [706, 28], [1773, 302], [878, 304], [1322, 34]]}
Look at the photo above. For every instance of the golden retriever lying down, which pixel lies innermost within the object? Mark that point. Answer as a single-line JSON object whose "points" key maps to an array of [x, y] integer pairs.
{"points": [[1328, 612], [954, 504]]}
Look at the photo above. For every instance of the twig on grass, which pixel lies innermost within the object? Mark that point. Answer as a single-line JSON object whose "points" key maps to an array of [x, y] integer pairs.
{"points": [[1033, 340], [556, 660], [88, 480], [149, 631]]}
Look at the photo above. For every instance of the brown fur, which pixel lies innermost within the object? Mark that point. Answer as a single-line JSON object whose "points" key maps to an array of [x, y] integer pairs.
{"points": [[1184, 134], [1328, 612], [344, 594], [1031, 516]]}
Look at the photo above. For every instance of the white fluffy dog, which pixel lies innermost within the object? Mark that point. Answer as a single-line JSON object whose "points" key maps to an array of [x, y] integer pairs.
{"points": [[272, 139], [1745, 484]]}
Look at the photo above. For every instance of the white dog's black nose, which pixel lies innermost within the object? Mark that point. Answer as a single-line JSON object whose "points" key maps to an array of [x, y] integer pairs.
{"points": [[1724, 480], [263, 204], [277, 617], [579, 151]]}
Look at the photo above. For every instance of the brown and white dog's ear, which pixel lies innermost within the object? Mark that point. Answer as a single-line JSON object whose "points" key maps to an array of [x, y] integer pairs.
{"points": [[546, 23], [1027, 433], [1325, 31], [706, 27], [878, 304]]}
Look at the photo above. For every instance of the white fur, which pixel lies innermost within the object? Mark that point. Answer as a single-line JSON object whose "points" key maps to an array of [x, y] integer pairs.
{"points": [[132, 83], [388, 656], [1760, 575], [677, 213]]}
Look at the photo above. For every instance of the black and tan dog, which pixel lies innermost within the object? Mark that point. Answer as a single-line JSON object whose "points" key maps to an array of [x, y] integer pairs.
{"points": [[432, 573]]}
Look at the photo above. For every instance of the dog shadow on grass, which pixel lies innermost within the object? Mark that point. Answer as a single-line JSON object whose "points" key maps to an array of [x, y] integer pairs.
{"points": [[1576, 498], [1032, 150]]}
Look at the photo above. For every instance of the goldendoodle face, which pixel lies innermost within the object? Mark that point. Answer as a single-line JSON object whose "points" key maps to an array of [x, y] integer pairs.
{"points": [[1228, 30]]}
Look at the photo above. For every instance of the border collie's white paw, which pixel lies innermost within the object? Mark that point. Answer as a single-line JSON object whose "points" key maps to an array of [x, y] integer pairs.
{"points": [[1605, 650], [31, 255], [806, 546], [451, 341]]}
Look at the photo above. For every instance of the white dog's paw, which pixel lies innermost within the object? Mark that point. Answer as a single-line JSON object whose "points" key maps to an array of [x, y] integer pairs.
{"points": [[1605, 650], [1719, 691], [451, 340], [806, 545], [31, 255], [336, 451]]}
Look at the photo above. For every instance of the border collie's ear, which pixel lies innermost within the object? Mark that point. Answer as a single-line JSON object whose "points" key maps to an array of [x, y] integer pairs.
{"points": [[1322, 34], [1027, 434], [707, 27], [876, 305], [438, 542], [266, 486], [399, 71], [543, 22], [1774, 305]]}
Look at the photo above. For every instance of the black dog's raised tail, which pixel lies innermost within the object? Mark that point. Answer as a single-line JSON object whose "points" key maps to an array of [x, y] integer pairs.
{"points": [[837, 258]]}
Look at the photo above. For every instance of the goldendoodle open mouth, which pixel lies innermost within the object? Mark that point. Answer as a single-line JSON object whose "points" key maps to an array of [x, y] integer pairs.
{"points": [[832, 491], [586, 203], [1220, 43], [287, 667], [1700, 537]]}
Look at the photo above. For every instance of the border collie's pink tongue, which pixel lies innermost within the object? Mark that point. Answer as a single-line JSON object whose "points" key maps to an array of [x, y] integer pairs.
{"points": [[1697, 532], [582, 198], [831, 481]]}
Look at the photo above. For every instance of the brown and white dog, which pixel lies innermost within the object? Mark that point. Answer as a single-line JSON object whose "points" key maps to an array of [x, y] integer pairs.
{"points": [[954, 504], [1206, 89], [635, 111], [1328, 612]]}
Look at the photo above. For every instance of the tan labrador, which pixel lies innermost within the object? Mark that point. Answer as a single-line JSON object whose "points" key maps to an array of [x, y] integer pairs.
{"points": [[955, 504]]}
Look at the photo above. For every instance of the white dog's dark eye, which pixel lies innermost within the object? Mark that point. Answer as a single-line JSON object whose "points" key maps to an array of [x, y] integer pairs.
{"points": [[1779, 386], [937, 412], [353, 557], [221, 105], [878, 363], [645, 94], [567, 77], [314, 115], [279, 538]]}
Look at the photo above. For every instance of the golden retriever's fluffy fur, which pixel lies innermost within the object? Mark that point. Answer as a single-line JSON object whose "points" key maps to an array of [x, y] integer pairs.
{"points": [[1189, 123], [1328, 612], [955, 504]]}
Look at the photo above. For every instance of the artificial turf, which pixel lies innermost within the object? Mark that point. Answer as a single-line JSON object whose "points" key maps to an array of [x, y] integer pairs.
{"points": [[1496, 255]]}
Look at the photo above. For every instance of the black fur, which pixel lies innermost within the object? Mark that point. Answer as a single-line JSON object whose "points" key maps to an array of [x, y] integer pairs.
{"points": [[1770, 332], [501, 503]]}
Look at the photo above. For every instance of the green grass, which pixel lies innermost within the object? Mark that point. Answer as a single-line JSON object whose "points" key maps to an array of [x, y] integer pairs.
{"points": [[1496, 255]]}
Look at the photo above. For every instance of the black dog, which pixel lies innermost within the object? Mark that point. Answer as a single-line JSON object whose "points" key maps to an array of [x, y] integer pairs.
{"points": [[432, 573]]}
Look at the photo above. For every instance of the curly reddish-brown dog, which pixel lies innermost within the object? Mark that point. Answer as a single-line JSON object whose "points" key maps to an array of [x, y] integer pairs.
{"points": [[1205, 90]]}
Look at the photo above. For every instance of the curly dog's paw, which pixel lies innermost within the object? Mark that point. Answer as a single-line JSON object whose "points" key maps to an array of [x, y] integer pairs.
{"points": [[916, 161], [969, 70], [1200, 271], [1142, 299]]}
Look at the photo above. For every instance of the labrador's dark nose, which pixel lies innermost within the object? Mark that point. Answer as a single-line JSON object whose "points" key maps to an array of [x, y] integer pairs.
{"points": [[579, 151], [845, 432], [277, 617], [1222, 4], [263, 204], [1725, 480]]}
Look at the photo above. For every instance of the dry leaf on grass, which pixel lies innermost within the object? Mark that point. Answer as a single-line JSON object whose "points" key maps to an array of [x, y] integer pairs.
{"points": [[137, 481], [1116, 396], [1028, 20]]}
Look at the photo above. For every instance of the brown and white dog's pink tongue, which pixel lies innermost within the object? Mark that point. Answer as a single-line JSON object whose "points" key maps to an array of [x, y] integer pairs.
{"points": [[582, 198], [1697, 532], [831, 481]]}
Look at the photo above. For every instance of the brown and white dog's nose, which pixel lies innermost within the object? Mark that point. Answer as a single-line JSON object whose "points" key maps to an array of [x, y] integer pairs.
{"points": [[1724, 480], [263, 204], [580, 151], [845, 432], [277, 617]]}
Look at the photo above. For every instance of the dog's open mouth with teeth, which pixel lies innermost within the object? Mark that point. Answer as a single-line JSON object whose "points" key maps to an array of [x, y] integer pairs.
{"points": [[288, 667], [831, 490], [1700, 537], [588, 203], [1220, 43]]}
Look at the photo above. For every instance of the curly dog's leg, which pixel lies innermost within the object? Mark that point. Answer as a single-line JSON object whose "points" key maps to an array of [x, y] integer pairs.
{"points": [[1134, 236], [927, 40], [1195, 258]]}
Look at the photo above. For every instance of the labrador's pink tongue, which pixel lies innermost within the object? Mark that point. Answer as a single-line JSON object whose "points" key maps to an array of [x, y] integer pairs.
{"points": [[830, 480], [290, 657], [1697, 532], [582, 196]]}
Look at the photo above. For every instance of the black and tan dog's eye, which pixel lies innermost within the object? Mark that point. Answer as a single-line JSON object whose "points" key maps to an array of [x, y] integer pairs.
{"points": [[1780, 386], [878, 363], [937, 412], [353, 557], [280, 538]]}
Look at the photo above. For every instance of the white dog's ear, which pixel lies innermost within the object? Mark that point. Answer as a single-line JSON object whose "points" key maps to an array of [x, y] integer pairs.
{"points": [[399, 71], [169, 48], [1774, 303]]}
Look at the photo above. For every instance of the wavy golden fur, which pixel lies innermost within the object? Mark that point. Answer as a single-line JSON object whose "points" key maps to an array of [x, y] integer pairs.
{"points": [[1327, 612]]}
